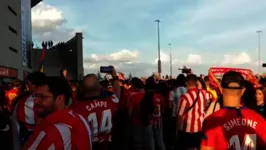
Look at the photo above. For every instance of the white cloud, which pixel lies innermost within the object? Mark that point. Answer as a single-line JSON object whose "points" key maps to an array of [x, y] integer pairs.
{"points": [[128, 61], [194, 59], [190, 59], [123, 56], [48, 24], [164, 57], [44, 15], [237, 59]]}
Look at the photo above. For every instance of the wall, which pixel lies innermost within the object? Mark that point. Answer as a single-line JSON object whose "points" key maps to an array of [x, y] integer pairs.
{"points": [[80, 68], [16, 30], [70, 58], [10, 29]]}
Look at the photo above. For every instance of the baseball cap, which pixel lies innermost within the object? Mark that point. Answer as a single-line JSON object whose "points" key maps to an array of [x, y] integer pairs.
{"points": [[233, 77]]}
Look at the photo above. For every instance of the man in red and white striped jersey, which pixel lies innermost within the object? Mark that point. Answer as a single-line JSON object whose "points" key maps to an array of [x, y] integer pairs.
{"points": [[190, 114], [60, 127], [24, 118]]}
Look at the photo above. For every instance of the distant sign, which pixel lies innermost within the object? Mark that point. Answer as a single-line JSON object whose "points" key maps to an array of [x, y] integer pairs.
{"points": [[8, 72]]}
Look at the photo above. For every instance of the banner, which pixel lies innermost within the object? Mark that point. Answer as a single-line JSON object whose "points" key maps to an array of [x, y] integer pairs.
{"points": [[26, 33], [220, 71]]}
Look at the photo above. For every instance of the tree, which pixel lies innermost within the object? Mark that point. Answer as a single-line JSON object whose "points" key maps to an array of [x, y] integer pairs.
{"points": [[130, 76], [99, 75]]}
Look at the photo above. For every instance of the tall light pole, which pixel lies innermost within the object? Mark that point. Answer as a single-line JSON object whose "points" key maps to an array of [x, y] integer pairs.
{"points": [[171, 69], [159, 51], [259, 63]]}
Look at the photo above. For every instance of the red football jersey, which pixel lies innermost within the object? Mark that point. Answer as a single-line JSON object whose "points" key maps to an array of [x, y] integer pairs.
{"points": [[98, 113], [134, 105], [234, 129], [134, 101]]}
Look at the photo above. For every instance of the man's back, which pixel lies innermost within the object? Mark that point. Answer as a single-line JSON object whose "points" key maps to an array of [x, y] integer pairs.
{"points": [[192, 119], [236, 129], [62, 129], [98, 114]]}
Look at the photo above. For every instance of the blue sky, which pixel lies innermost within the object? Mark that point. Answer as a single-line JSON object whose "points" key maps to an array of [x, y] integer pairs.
{"points": [[210, 32]]}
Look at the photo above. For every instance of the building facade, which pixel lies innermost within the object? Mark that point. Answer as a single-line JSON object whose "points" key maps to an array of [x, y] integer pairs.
{"points": [[18, 58], [16, 41], [68, 56]]}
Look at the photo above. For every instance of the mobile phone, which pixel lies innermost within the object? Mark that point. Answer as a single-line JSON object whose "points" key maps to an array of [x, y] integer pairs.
{"points": [[106, 69]]}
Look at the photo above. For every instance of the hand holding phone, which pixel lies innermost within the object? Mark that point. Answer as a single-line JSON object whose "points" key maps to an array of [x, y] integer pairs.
{"points": [[106, 69], [109, 70]]}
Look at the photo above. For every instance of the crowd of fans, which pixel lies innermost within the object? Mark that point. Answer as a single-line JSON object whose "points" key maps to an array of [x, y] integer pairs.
{"points": [[188, 112]]}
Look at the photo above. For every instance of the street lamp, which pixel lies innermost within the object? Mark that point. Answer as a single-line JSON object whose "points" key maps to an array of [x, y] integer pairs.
{"points": [[171, 69], [259, 63], [159, 53]]}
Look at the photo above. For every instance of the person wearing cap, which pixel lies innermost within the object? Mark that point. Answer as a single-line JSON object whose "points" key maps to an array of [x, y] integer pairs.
{"points": [[233, 126]]}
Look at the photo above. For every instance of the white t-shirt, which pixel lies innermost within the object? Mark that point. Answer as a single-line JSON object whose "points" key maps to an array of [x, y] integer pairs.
{"points": [[174, 96]]}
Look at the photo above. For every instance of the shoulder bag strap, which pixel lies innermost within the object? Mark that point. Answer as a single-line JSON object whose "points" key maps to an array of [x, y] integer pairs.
{"points": [[214, 106], [194, 103]]}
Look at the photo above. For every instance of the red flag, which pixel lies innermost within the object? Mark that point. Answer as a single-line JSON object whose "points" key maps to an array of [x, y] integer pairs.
{"points": [[42, 57]]}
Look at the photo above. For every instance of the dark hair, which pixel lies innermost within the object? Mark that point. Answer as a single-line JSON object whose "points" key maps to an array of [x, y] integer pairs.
{"points": [[249, 94], [171, 83], [252, 103], [192, 78], [206, 79], [104, 83], [202, 83], [58, 86], [17, 83], [163, 89], [137, 83], [150, 84], [147, 105], [36, 78], [181, 80], [262, 89]]}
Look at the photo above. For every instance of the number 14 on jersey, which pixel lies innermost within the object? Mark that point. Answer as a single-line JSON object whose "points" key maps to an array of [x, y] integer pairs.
{"points": [[104, 124], [249, 142]]}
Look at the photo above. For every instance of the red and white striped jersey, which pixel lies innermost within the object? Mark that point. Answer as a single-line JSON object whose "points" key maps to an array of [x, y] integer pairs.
{"points": [[23, 114], [209, 97], [66, 133], [24, 111], [192, 120]]}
